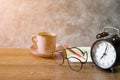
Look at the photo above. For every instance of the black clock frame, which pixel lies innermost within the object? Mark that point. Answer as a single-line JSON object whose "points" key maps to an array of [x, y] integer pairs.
{"points": [[116, 49], [114, 40]]}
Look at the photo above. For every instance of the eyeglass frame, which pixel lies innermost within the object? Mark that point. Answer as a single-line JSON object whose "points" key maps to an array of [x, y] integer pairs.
{"points": [[65, 57]]}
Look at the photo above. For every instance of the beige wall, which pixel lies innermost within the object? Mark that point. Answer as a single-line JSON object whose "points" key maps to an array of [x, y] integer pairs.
{"points": [[75, 22]]}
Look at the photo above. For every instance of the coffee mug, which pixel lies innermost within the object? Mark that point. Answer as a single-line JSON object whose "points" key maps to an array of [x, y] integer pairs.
{"points": [[44, 44]]}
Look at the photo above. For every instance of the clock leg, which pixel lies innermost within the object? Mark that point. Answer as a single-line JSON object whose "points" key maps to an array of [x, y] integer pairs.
{"points": [[112, 70]]}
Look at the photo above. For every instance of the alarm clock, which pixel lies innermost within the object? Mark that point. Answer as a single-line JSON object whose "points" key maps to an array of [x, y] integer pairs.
{"points": [[105, 51]]}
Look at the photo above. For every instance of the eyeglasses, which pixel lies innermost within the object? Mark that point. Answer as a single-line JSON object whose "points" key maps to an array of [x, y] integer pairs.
{"points": [[75, 57]]}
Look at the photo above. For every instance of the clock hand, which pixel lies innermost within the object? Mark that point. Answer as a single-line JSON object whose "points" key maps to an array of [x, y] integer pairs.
{"points": [[104, 52], [101, 57], [106, 49]]}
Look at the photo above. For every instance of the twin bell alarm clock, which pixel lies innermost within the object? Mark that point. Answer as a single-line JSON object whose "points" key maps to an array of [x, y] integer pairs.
{"points": [[105, 51]]}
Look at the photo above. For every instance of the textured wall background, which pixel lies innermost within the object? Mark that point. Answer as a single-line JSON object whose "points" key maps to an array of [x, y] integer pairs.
{"points": [[76, 22]]}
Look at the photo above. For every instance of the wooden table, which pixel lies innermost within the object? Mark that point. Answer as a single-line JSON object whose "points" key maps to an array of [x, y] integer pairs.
{"points": [[20, 64]]}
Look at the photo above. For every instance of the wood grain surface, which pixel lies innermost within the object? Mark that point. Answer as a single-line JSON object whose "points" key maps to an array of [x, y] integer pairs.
{"points": [[20, 64]]}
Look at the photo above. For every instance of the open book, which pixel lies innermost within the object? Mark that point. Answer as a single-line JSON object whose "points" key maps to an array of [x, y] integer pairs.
{"points": [[83, 56]]}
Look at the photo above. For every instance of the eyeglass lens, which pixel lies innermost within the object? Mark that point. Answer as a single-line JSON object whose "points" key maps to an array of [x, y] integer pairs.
{"points": [[74, 63], [59, 56]]}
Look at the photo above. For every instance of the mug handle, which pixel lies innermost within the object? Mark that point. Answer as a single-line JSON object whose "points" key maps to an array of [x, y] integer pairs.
{"points": [[34, 39]]}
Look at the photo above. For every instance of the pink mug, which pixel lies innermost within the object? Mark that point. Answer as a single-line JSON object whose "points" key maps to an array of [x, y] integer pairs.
{"points": [[45, 43]]}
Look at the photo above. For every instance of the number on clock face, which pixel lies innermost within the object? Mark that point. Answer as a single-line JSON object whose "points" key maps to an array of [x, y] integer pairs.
{"points": [[103, 54]]}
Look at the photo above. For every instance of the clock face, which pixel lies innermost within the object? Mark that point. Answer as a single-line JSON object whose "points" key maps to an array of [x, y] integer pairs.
{"points": [[103, 54]]}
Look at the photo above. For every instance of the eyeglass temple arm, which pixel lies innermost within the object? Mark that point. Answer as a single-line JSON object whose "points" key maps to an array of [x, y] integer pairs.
{"points": [[66, 47]]}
